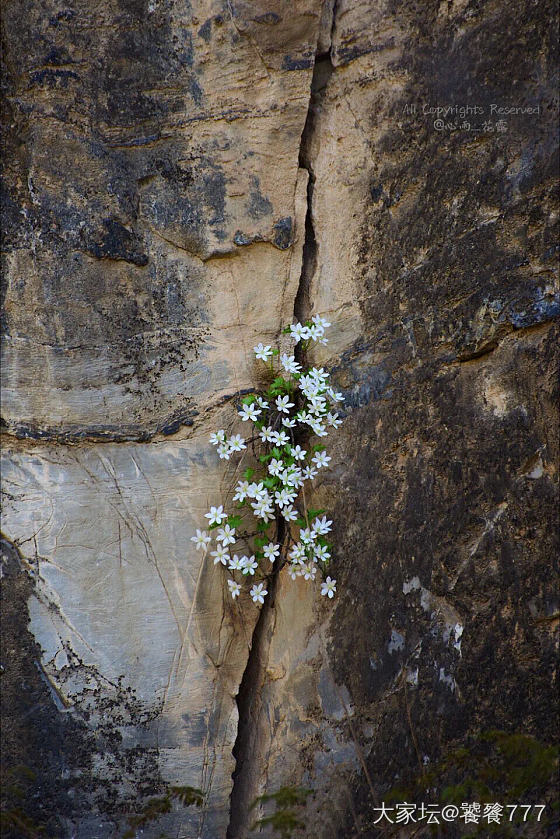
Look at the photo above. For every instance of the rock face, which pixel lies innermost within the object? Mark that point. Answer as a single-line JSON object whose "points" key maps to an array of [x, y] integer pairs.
{"points": [[181, 179]]}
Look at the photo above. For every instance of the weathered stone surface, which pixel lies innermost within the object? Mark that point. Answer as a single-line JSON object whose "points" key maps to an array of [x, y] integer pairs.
{"points": [[126, 613], [182, 177], [150, 144]]}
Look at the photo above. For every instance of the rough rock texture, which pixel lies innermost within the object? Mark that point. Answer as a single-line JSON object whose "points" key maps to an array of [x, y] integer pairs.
{"points": [[180, 178]]}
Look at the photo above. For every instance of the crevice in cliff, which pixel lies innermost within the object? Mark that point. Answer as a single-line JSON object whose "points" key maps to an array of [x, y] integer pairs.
{"points": [[248, 751], [308, 149]]}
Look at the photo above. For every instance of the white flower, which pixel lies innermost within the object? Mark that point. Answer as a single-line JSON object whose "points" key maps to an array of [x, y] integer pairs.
{"points": [[289, 513], [284, 497], [267, 434], [241, 491], [328, 587], [298, 452], [234, 588], [309, 570], [262, 403], [289, 363], [271, 551], [201, 540], [298, 331], [319, 376], [333, 419], [262, 352], [287, 422], [308, 386], [294, 570], [254, 490], [321, 526], [317, 405], [292, 476], [318, 428], [223, 451], [336, 397], [275, 466], [218, 437], [309, 473], [236, 443], [216, 515], [319, 321], [250, 565], [226, 535], [220, 555], [316, 332], [262, 509], [321, 552], [249, 412], [297, 552], [258, 593], [283, 404], [236, 564], [320, 459], [307, 536], [280, 438]]}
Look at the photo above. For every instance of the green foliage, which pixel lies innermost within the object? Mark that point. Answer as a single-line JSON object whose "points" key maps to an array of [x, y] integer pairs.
{"points": [[278, 387], [284, 820], [496, 766], [234, 521], [13, 820], [156, 807]]}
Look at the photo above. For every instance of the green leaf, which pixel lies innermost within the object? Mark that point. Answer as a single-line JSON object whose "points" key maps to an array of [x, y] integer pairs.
{"points": [[276, 452], [314, 513], [264, 458], [248, 474], [263, 526], [248, 400], [319, 447], [187, 796], [301, 522], [234, 521], [260, 541]]}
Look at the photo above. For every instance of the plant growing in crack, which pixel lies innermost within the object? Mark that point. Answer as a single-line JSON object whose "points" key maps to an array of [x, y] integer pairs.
{"points": [[297, 405], [284, 820]]}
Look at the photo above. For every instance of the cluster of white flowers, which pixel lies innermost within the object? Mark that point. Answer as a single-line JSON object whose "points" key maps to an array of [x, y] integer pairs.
{"points": [[293, 398]]}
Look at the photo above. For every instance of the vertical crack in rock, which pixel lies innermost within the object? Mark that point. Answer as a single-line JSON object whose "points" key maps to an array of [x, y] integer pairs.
{"points": [[321, 74], [250, 750]]}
